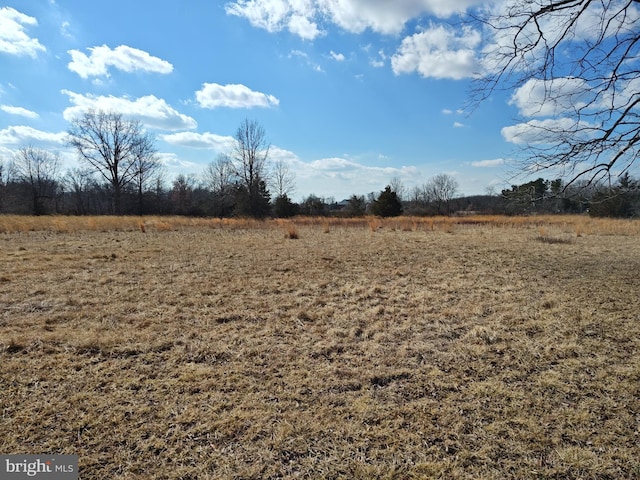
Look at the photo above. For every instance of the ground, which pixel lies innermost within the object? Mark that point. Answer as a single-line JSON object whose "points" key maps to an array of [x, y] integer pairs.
{"points": [[409, 348]]}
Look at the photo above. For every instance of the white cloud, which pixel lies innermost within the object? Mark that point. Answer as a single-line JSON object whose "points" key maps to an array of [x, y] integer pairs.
{"points": [[151, 111], [547, 131], [64, 29], [123, 58], [23, 135], [386, 17], [305, 56], [23, 112], [610, 18], [338, 57], [340, 177], [543, 98], [439, 52], [219, 143], [303, 27], [621, 97], [458, 125], [297, 16], [489, 163], [298, 53], [343, 177], [213, 95], [175, 163], [13, 39]]}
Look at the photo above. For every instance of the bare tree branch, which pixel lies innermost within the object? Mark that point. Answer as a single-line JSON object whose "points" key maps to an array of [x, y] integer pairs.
{"points": [[583, 56]]}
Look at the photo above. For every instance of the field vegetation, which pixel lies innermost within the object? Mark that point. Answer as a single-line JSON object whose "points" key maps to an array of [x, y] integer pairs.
{"points": [[458, 347]]}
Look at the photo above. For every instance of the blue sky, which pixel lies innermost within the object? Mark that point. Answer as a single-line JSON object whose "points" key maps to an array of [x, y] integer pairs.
{"points": [[351, 93]]}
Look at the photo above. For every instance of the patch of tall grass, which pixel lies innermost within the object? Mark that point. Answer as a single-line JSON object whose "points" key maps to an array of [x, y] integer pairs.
{"points": [[577, 225]]}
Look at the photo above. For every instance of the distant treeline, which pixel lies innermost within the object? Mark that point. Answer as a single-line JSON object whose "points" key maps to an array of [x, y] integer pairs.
{"points": [[80, 193]]}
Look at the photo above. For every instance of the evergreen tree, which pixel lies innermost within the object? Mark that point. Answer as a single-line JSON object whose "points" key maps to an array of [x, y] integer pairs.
{"points": [[387, 204]]}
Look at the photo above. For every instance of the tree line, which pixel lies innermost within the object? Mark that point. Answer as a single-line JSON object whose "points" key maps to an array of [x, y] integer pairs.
{"points": [[120, 173]]}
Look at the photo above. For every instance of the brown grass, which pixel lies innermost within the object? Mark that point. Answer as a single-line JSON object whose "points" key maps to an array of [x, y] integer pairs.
{"points": [[421, 348]]}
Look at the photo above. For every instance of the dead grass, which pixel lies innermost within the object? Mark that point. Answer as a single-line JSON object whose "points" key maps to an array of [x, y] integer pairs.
{"points": [[429, 348]]}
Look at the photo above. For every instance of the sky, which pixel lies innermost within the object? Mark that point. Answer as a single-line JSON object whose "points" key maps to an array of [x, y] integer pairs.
{"points": [[351, 93]]}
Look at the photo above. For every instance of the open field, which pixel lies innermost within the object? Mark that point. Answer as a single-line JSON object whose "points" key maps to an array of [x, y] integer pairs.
{"points": [[477, 347]]}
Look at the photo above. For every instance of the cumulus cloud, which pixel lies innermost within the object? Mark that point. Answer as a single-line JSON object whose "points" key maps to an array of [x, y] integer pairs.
{"points": [[543, 98], [213, 95], [22, 112], [302, 17], [439, 52], [23, 135], [303, 27], [489, 163], [297, 16], [123, 58], [338, 57], [339, 175], [149, 110], [548, 131], [173, 162], [219, 143], [388, 18], [13, 38]]}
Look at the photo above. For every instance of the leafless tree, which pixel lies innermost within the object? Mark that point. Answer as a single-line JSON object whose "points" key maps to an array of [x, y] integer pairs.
{"points": [[250, 153], [441, 189], [182, 193], [218, 178], [3, 183], [218, 175], [573, 65], [114, 147], [397, 186], [283, 179], [38, 169], [79, 182], [146, 167]]}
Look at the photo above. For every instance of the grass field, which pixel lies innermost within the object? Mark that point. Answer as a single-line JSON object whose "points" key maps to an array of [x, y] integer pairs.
{"points": [[477, 347]]}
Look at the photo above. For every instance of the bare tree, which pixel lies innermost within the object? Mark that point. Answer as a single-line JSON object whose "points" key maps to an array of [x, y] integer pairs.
{"points": [[79, 182], [283, 179], [3, 183], [218, 175], [441, 189], [218, 178], [38, 170], [182, 193], [114, 147], [397, 186], [250, 154], [146, 168], [573, 65]]}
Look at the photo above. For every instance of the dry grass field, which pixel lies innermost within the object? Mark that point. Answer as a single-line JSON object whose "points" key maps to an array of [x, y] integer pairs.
{"points": [[476, 347]]}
